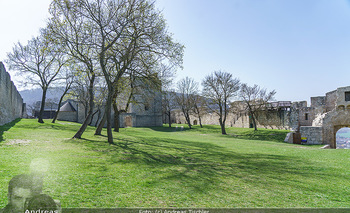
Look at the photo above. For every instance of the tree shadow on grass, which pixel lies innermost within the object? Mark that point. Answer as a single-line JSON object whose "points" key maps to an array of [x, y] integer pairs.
{"points": [[169, 129], [203, 166], [7, 127], [262, 135], [72, 128], [67, 126]]}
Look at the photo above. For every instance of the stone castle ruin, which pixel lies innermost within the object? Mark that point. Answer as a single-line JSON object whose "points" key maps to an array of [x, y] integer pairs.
{"points": [[11, 102], [146, 109], [319, 123], [142, 112], [314, 124], [330, 116]]}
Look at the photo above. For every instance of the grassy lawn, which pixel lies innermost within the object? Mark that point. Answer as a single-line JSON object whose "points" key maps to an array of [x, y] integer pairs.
{"points": [[166, 167]]}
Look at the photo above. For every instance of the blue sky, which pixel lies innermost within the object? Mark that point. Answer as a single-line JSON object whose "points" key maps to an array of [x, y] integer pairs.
{"points": [[300, 48]]}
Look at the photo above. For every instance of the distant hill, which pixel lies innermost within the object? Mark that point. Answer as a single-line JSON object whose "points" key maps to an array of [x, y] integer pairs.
{"points": [[344, 132], [33, 95]]}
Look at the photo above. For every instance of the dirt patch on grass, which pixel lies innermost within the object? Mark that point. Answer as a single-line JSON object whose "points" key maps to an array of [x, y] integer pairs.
{"points": [[17, 142], [65, 123]]}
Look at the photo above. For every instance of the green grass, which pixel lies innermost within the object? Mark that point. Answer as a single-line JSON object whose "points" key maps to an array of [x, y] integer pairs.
{"points": [[166, 167]]}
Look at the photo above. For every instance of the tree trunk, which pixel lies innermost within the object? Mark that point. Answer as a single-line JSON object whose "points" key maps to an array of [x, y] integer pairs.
{"points": [[116, 117], [223, 130], [200, 121], [92, 117], [98, 117], [91, 107], [109, 120], [101, 124], [169, 117], [83, 126], [42, 107], [222, 125], [59, 107], [187, 117], [254, 122], [86, 108]]}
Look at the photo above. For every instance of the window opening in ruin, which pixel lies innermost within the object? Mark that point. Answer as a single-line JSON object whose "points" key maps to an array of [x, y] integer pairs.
{"points": [[347, 96], [147, 106], [306, 116], [343, 138]]}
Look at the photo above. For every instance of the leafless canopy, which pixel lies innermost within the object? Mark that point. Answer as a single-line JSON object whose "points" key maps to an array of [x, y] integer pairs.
{"points": [[186, 89], [219, 88], [39, 63], [255, 99], [119, 37]]}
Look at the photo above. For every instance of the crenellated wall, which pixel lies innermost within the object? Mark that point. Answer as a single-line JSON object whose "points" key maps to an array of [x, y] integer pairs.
{"points": [[11, 102]]}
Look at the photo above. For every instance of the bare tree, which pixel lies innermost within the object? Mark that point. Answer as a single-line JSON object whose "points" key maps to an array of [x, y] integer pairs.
{"points": [[255, 99], [38, 63], [168, 103], [186, 88], [130, 86], [143, 46], [70, 26], [199, 107], [124, 90], [219, 88], [67, 79], [119, 33], [51, 103], [80, 92], [100, 100]]}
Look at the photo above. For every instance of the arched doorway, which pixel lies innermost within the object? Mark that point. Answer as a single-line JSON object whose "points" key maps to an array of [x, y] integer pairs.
{"points": [[332, 122], [128, 121], [195, 122], [343, 138]]}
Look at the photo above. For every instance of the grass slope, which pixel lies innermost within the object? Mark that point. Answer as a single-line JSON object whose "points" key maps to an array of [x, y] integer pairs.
{"points": [[165, 167]]}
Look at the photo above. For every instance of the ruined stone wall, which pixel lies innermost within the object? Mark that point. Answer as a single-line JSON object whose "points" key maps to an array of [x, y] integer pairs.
{"points": [[294, 117], [140, 114], [331, 98], [341, 101], [332, 122], [312, 134], [306, 116], [301, 114], [240, 120], [148, 110], [318, 101], [274, 119], [211, 119], [11, 102], [268, 120]]}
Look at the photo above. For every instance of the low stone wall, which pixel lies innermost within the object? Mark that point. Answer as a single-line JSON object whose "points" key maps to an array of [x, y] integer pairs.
{"points": [[266, 120], [11, 102], [312, 134]]}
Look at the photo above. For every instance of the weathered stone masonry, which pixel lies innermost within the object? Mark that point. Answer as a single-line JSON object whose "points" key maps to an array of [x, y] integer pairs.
{"points": [[314, 124], [11, 102], [144, 113]]}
